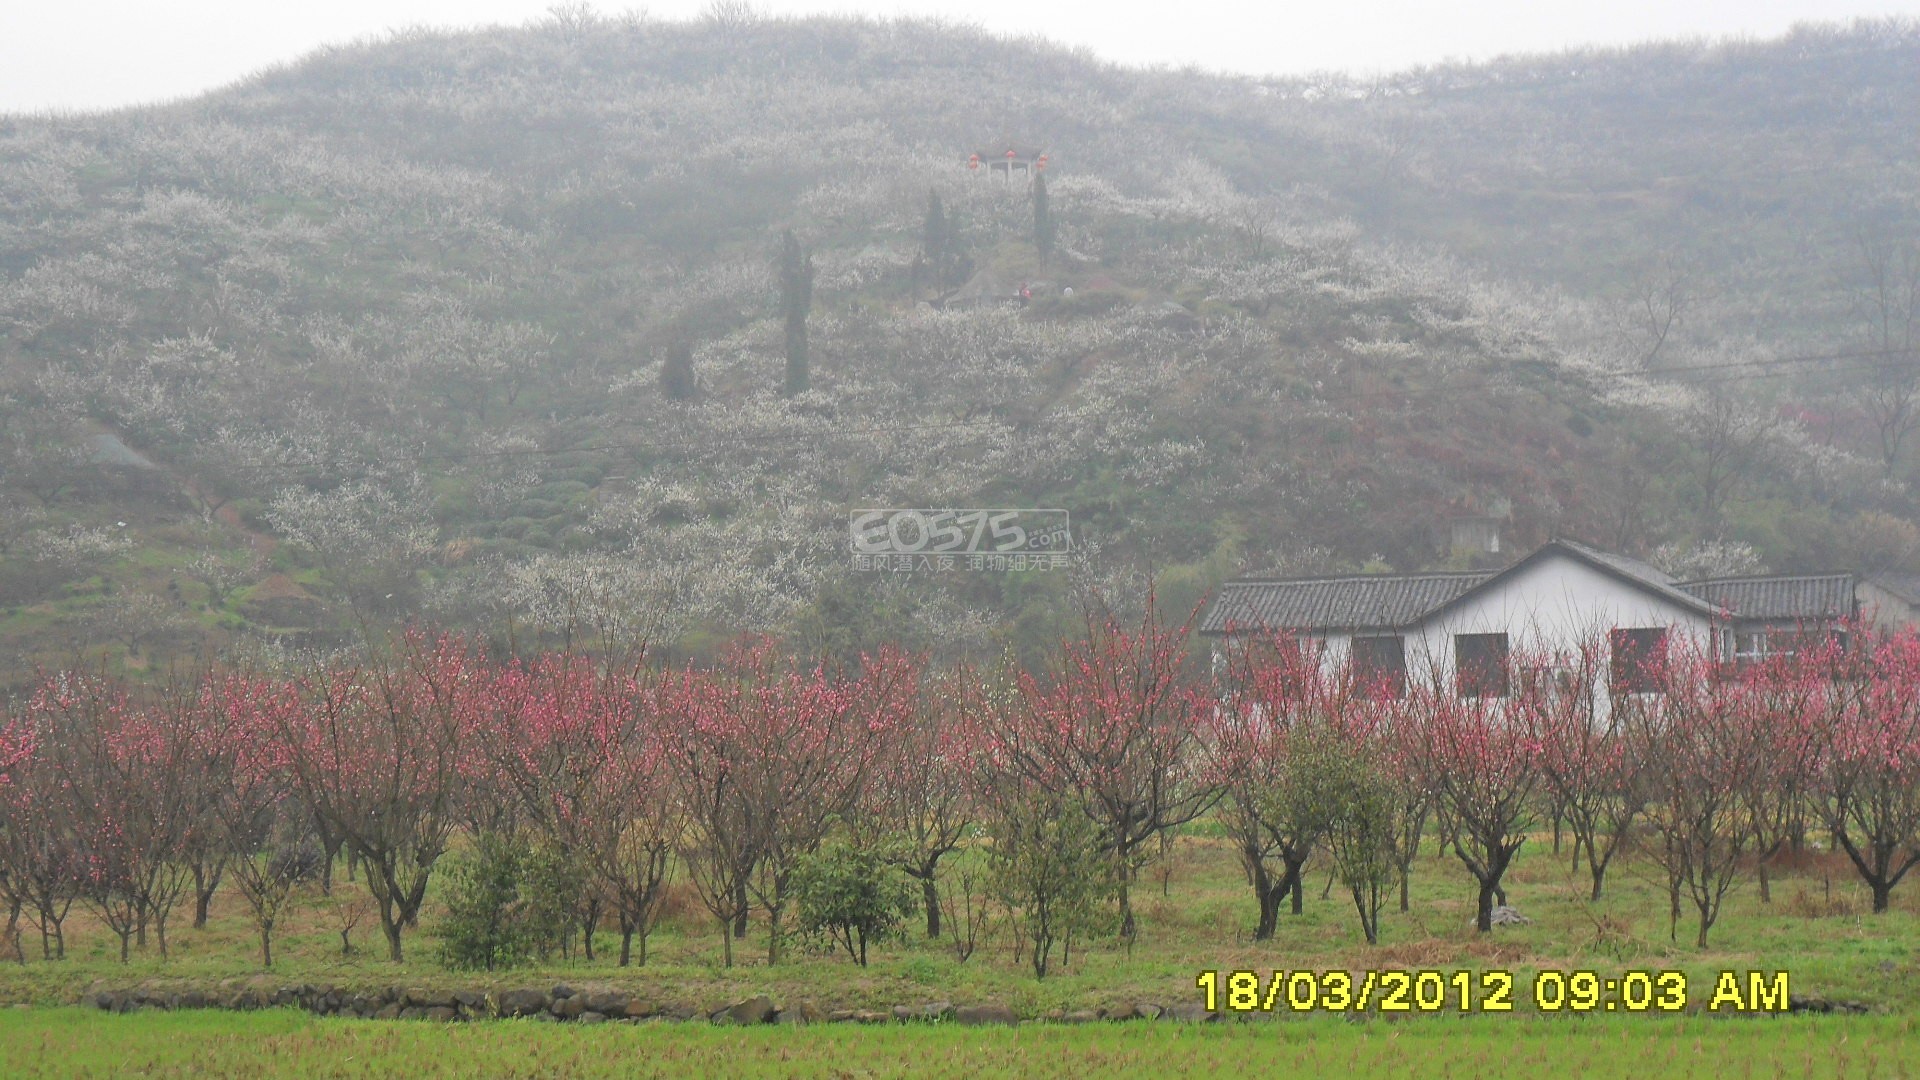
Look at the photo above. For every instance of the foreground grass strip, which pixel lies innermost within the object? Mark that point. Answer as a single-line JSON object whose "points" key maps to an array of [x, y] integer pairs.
{"points": [[213, 1045]]}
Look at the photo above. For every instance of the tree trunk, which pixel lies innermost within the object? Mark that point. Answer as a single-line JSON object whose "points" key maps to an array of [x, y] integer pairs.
{"points": [[1269, 894], [1293, 882], [1673, 909], [1369, 924], [266, 944], [930, 896], [1882, 896], [726, 944], [391, 927], [1483, 917], [205, 883]]}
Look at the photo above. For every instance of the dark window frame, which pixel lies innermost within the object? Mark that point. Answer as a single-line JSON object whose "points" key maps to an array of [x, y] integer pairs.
{"points": [[1373, 664], [1637, 660], [1482, 665]]}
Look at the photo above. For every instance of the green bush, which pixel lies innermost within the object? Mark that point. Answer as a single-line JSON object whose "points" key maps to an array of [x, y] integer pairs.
{"points": [[483, 929], [853, 894], [1051, 869], [561, 491], [554, 888], [509, 902], [537, 508]]}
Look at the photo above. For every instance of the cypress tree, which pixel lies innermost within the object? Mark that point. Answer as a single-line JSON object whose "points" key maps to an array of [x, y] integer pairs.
{"points": [[934, 234], [796, 299], [1043, 226], [676, 373]]}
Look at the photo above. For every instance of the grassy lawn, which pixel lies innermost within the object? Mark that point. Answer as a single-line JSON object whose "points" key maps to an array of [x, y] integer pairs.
{"points": [[209, 1045], [1817, 928]]}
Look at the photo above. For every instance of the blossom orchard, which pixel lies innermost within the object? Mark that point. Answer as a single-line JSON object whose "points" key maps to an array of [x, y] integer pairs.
{"points": [[123, 801], [1705, 769]]}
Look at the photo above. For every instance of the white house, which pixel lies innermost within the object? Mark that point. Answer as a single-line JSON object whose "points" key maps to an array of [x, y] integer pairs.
{"points": [[1460, 628]]}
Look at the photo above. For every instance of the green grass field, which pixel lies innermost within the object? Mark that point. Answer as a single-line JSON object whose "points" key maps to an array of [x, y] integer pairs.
{"points": [[1817, 928], [213, 1045]]}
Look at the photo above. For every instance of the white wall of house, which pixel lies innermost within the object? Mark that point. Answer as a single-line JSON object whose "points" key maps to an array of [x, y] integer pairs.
{"points": [[1882, 610], [1548, 609]]}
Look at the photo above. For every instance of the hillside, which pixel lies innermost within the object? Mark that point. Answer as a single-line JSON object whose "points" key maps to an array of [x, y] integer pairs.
{"points": [[378, 336]]}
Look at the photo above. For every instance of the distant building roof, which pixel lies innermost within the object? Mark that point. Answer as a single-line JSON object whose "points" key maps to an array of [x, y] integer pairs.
{"points": [[1904, 586], [1392, 601], [984, 287], [1370, 602], [1001, 151], [107, 449], [1645, 575], [1778, 597]]}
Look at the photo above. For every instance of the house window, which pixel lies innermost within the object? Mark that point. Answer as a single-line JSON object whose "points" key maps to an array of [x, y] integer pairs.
{"points": [[1753, 646], [1381, 661], [1283, 664], [1480, 665], [1639, 660]]}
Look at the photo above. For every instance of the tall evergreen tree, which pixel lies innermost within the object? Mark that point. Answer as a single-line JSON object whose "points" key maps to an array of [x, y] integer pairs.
{"points": [[796, 300], [676, 373], [1043, 226], [935, 235]]}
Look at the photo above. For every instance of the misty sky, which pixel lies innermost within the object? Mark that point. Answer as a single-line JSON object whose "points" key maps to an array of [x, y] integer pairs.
{"points": [[85, 54]]}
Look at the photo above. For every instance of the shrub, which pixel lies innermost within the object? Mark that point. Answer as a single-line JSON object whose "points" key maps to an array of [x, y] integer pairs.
{"points": [[1052, 870], [852, 893], [509, 902], [483, 928], [554, 892]]}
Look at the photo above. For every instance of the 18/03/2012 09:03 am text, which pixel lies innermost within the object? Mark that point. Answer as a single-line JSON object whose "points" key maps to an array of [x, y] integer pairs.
{"points": [[1490, 990]]}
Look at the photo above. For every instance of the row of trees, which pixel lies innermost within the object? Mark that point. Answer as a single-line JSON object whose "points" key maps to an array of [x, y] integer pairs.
{"points": [[1708, 777], [769, 783]]}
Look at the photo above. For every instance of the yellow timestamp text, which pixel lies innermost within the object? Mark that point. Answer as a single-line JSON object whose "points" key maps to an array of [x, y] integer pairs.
{"points": [[1489, 990]]}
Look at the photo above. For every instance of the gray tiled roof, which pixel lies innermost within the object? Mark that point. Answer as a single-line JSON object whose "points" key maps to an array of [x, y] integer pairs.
{"points": [[1625, 564], [1646, 575], [1391, 601], [1778, 597], [1376, 601], [1904, 586]]}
